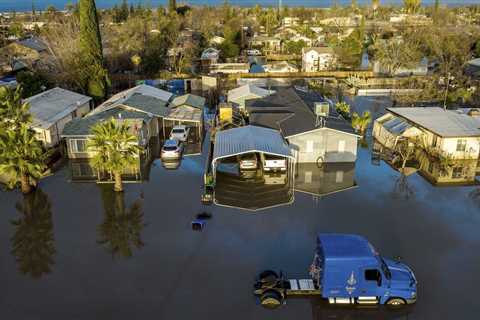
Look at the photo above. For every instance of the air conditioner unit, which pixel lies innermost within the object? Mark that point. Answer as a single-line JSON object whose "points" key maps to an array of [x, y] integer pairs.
{"points": [[322, 109]]}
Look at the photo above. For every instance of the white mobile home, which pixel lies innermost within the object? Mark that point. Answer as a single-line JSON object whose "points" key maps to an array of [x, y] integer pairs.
{"points": [[54, 108], [450, 133]]}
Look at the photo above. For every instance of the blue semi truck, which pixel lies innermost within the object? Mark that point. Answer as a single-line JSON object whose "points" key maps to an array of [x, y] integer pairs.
{"points": [[346, 269]]}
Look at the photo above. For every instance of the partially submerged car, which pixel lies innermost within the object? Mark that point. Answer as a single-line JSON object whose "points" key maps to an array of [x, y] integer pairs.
{"points": [[172, 149], [346, 269]]}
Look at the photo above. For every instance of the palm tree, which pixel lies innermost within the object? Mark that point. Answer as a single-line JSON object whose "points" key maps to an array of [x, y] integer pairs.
{"points": [[115, 149], [12, 109], [33, 243], [361, 123], [22, 157], [411, 6], [121, 229]]}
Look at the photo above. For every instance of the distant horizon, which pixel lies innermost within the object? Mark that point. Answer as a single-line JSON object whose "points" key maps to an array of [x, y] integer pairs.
{"points": [[26, 5]]}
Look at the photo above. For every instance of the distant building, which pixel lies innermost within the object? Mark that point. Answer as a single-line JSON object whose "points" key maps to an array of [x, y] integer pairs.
{"points": [[280, 67], [229, 68], [53, 109], [317, 59], [290, 21], [268, 44], [239, 95], [216, 40], [450, 133]]}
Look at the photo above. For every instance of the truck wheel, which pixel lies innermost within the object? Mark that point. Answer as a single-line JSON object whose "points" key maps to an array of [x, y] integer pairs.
{"points": [[271, 299], [396, 302], [268, 276]]}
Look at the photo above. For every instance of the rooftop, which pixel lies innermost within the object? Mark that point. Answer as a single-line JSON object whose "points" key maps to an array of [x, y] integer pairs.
{"points": [[52, 105], [445, 123], [142, 89], [319, 50], [247, 90], [34, 43], [189, 100], [82, 127], [147, 104], [291, 111], [247, 139]]}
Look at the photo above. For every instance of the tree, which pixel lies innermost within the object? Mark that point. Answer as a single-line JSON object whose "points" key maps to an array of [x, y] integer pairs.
{"points": [[33, 243], [411, 6], [96, 80], [121, 229], [344, 109], [115, 149], [361, 123], [172, 5], [124, 11], [32, 83], [395, 54], [22, 157]]}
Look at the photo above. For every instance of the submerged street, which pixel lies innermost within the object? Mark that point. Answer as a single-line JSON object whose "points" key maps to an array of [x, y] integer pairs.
{"points": [[77, 251]]}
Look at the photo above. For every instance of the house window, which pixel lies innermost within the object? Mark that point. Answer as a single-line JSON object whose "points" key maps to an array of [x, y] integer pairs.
{"points": [[308, 177], [339, 177], [461, 145], [309, 146], [341, 146], [457, 173], [78, 145]]}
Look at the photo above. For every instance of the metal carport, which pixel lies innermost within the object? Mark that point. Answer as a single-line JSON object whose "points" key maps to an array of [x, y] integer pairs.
{"points": [[248, 139]]}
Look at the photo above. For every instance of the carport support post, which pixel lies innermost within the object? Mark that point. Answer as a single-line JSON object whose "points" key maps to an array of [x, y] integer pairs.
{"points": [[163, 128]]}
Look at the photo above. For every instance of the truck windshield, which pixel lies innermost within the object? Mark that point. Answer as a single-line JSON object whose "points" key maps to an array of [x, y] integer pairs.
{"points": [[385, 269]]}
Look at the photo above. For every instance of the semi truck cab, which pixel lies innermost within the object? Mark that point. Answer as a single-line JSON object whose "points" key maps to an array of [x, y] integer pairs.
{"points": [[346, 269]]}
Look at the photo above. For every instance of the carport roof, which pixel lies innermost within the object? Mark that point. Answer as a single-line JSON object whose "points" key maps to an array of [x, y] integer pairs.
{"points": [[246, 139]]}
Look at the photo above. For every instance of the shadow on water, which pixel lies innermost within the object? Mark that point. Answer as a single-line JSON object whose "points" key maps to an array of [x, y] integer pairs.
{"points": [[121, 230], [33, 242]]}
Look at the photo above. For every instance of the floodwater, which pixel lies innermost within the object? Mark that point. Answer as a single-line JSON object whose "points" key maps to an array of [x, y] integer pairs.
{"points": [[78, 251]]}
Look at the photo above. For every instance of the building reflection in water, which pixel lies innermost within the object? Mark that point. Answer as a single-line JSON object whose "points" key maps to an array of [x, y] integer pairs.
{"points": [[33, 242], [326, 179], [255, 190], [82, 171], [122, 226]]}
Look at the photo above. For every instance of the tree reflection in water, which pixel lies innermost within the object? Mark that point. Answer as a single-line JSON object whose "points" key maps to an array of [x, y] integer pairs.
{"points": [[121, 229], [33, 243]]}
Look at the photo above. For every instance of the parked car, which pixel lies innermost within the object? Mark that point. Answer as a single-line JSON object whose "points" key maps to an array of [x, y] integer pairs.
{"points": [[172, 149], [273, 163], [248, 161], [180, 133], [253, 52], [346, 269]]}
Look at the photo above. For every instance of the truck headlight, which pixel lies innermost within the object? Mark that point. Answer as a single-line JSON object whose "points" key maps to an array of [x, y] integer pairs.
{"points": [[414, 294]]}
